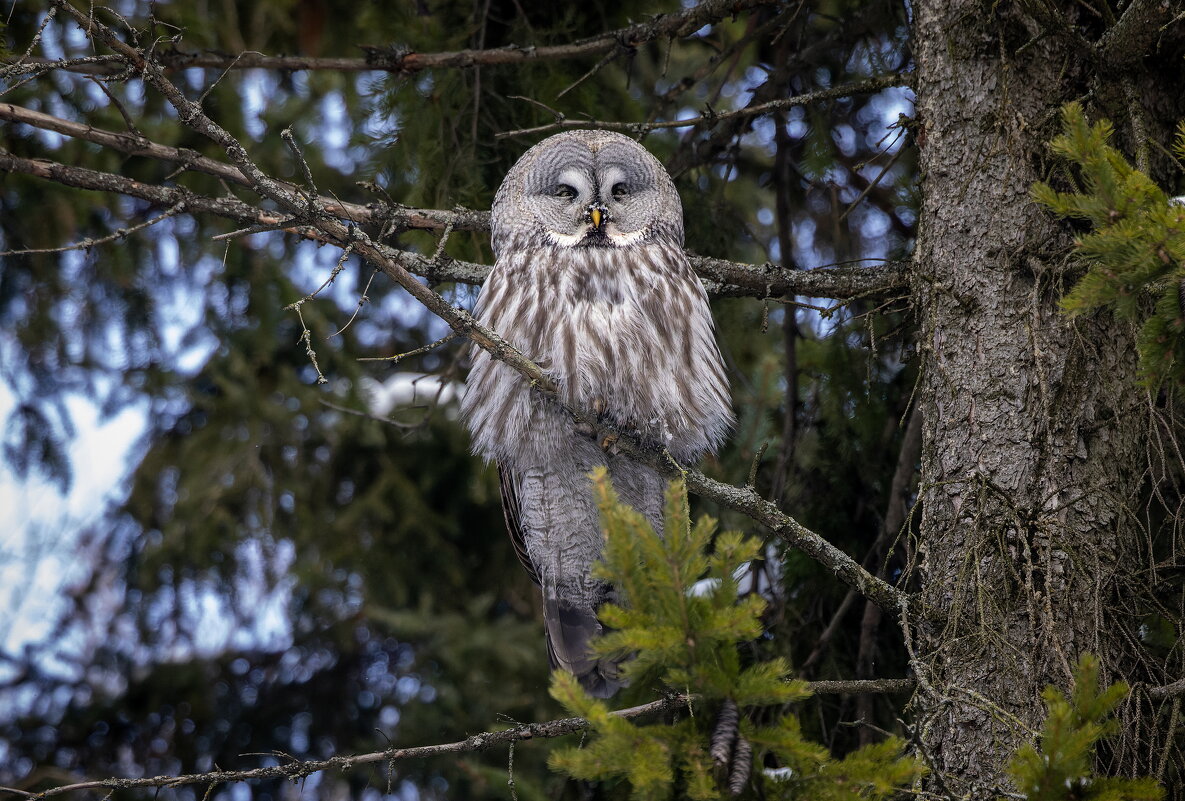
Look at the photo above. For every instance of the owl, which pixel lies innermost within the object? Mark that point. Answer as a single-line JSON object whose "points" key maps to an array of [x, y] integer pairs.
{"points": [[590, 281]]}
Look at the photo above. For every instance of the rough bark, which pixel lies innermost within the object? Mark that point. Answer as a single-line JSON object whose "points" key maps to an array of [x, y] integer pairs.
{"points": [[1034, 423]]}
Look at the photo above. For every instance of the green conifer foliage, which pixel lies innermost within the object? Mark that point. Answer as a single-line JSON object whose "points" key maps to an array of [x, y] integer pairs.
{"points": [[680, 617], [1061, 768], [1137, 247]]}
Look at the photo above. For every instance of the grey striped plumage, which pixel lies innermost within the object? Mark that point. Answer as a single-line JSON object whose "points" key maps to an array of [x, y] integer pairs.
{"points": [[590, 281]]}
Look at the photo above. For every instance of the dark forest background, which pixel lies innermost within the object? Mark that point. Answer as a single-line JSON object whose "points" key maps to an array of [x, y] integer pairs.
{"points": [[292, 569]]}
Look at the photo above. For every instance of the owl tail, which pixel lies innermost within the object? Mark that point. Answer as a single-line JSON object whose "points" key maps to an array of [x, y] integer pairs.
{"points": [[570, 631]]}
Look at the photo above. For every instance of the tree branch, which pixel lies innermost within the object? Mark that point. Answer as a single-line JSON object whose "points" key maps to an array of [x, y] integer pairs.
{"points": [[139, 145], [712, 117], [85, 178], [793, 533], [404, 61], [769, 280], [474, 743], [720, 277], [1132, 36], [1177, 688]]}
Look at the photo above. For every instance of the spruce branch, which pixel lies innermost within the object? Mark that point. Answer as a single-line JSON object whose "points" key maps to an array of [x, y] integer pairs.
{"points": [[1136, 249], [1061, 765], [678, 616]]}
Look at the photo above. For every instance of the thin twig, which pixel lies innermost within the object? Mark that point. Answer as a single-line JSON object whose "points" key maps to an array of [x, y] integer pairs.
{"points": [[710, 118], [875, 181], [86, 244], [261, 228], [225, 72], [476, 742], [311, 194], [377, 418], [337, 268], [123, 112], [398, 357], [306, 336], [362, 301], [53, 12]]}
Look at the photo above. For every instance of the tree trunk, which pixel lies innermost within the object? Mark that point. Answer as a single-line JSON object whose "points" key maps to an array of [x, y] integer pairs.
{"points": [[1035, 424]]}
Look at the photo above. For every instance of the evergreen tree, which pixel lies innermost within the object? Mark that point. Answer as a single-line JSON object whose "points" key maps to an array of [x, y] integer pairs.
{"points": [[680, 619], [1137, 247], [291, 564]]}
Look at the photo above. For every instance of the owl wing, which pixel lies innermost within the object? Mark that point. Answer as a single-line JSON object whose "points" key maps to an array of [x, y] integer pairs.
{"points": [[510, 511]]}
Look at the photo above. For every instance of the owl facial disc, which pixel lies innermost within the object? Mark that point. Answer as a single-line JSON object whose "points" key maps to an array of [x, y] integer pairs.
{"points": [[581, 189]]}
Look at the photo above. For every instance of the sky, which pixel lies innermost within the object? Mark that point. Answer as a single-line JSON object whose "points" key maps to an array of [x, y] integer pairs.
{"points": [[40, 525]]}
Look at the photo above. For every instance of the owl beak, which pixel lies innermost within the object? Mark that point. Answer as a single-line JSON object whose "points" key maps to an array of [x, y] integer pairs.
{"points": [[598, 216]]}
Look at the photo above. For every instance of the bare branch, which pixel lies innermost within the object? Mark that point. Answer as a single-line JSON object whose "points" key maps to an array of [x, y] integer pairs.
{"points": [[403, 217], [404, 61], [119, 233], [769, 280], [720, 277], [398, 357], [793, 533], [169, 196], [710, 118], [862, 687], [474, 743], [1174, 690], [1133, 36]]}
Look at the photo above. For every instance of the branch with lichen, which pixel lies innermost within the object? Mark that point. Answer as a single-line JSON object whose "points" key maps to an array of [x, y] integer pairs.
{"points": [[720, 276]]}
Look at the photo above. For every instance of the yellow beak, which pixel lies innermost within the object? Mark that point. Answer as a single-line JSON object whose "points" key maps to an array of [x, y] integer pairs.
{"points": [[595, 215]]}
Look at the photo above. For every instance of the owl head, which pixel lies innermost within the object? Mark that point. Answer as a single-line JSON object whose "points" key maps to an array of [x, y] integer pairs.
{"points": [[586, 189]]}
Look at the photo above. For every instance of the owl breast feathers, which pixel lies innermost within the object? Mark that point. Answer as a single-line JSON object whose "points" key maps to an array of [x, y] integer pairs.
{"points": [[591, 282]]}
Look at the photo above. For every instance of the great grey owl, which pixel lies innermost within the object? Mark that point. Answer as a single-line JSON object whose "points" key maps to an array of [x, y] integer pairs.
{"points": [[590, 281]]}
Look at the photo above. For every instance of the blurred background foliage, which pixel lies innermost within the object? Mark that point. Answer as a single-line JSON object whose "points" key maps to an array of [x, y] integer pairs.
{"points": [[293, 569]]}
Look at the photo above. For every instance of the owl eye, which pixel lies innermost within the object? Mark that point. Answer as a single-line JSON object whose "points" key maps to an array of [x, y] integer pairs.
{"points": [[620, 192], [564, 191]]}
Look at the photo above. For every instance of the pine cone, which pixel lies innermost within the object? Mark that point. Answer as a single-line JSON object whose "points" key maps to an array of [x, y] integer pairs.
{"points": [[725, 734], [742, 762]]}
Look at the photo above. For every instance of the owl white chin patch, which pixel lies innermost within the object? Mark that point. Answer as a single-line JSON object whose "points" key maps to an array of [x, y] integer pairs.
{"points": [[614, 238], [622, 240]]}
